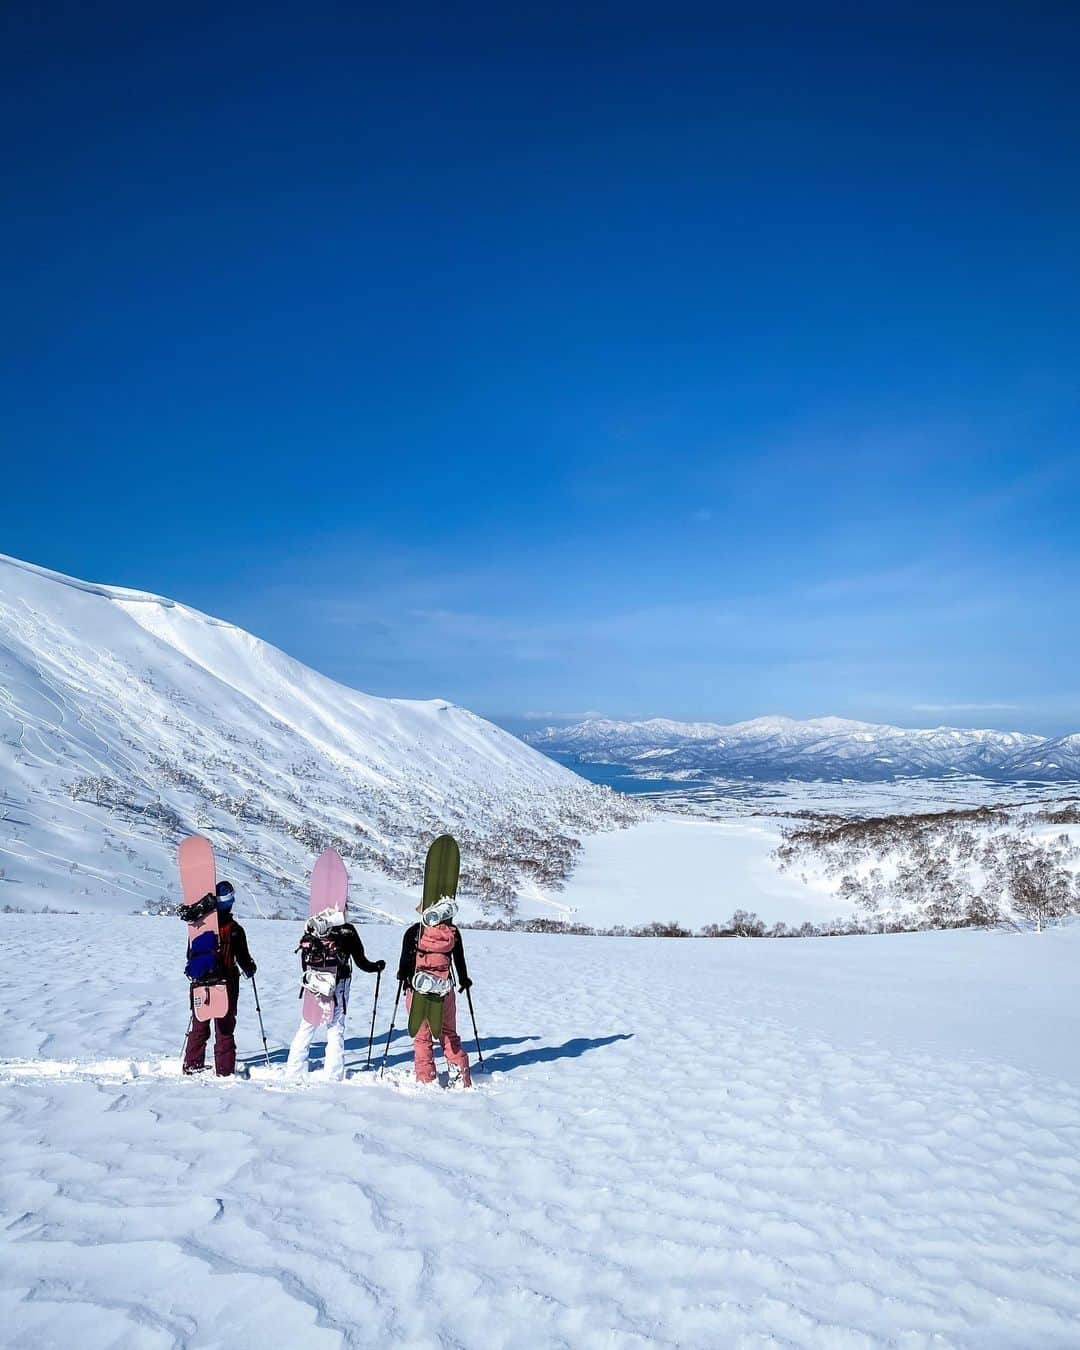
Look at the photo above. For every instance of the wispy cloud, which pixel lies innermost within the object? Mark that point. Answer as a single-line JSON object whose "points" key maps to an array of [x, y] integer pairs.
{"points": [[535, 716], [893, 581], [700, 640], [405, 617], [967, 707]]}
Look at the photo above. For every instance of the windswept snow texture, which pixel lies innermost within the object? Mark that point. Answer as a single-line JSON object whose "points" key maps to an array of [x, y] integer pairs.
{"points": [[842, 1142], [127, 721], [829, 748]]}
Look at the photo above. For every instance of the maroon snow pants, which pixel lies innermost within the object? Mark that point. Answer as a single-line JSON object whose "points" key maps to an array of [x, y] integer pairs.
{"points": [[224, 1041]]}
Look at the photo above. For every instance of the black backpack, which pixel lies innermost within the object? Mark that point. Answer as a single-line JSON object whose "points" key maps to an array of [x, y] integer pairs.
{"points": [[318, 953]]}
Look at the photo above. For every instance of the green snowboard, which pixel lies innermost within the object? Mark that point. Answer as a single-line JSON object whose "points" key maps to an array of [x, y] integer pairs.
{"points": [[441, 870], [440, 879]]}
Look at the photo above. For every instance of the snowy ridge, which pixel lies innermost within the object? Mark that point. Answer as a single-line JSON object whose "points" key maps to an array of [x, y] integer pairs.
{"points": [[128, 720], [829, 748], [90, 587]]}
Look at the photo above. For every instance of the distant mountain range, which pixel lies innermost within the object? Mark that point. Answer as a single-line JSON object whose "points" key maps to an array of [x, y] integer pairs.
{"points": [[828, 748]]}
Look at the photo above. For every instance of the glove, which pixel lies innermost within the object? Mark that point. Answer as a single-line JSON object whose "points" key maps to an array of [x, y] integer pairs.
{"points": [[466, 983], [250, 974], [380, 966]]}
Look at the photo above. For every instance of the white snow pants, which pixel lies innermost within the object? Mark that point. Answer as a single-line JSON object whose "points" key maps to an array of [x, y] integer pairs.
{"points": [[335, 1040]]}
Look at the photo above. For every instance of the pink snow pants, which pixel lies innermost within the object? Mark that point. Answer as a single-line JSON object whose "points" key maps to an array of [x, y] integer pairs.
{"points": [[424, 1048]]}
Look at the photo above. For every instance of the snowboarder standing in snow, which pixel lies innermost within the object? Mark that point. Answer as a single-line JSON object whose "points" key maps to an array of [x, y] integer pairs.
{"points": [[233, 957], [427, 951], [328, 949]]}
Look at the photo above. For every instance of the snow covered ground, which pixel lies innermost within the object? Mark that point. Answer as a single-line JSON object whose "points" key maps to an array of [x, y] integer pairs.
{"points": [[693, 871], [832, 1143]]}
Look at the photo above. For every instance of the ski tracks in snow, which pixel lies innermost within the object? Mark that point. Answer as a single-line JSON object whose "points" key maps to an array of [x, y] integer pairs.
{"points": [[667, 1150]]}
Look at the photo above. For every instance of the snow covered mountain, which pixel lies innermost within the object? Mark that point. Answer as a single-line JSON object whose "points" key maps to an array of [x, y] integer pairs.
{"points": [[128, 720], [820, 748]]}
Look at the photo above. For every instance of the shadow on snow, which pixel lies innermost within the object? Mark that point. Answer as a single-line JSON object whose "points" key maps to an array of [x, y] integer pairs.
{"points": [[572, 1049], [498, 1062]]}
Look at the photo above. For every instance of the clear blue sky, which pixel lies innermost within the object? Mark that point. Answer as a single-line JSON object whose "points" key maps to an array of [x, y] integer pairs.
{"points": [[651, 360]]}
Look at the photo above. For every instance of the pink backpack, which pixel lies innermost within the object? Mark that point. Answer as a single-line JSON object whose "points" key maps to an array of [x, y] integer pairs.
{"points": [[433, 953]]}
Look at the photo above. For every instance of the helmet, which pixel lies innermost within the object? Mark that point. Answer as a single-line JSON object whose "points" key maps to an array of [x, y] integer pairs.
{"points": [[226, 896]]}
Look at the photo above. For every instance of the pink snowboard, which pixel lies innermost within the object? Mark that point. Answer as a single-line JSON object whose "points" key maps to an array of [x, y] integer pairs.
{"points": [[210, 1000], [329, 890], [198, 877]]}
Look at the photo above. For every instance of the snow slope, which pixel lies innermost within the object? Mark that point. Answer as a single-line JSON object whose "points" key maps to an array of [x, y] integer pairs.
{"points": [[820, 748], [128, 720], [846, 1142]]}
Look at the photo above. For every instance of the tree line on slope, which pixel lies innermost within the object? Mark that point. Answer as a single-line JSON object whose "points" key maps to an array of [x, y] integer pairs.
{"points": [[742, 924], [387, 831], [984, 866]]}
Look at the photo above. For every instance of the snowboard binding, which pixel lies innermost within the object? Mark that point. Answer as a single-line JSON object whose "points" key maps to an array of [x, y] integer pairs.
{"points": [[425, 983], [198, 911], [442, 911], [323, 923], [321, 983]]}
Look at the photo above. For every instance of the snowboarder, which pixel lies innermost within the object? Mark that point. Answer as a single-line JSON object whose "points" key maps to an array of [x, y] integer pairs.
{"points": [[427, 951], [328, 949], [233, 957]]}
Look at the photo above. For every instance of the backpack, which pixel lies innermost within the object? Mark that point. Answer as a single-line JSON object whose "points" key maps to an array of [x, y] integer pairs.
{"points": [[433, 949], [321, 961], [202, 962], [225, 956], [318, 953], [210, 955]]}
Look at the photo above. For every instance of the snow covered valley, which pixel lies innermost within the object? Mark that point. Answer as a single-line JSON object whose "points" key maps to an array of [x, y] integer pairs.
{"points": [[845, 1142], [838, 871]]}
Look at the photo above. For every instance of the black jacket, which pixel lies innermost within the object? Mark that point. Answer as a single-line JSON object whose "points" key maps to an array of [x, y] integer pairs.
{"points": [[409, 943], [350, 948], [233, 949]]}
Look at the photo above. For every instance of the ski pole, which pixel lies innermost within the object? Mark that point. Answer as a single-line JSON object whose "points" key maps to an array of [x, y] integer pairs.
{"points": [[262, 1029], [183, 1048], [393, 1019], [476, 1034], [374, 1008]]}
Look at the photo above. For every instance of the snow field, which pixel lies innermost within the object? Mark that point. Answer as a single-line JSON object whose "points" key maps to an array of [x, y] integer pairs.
{"points": [[693, 871], [828, 1143]]}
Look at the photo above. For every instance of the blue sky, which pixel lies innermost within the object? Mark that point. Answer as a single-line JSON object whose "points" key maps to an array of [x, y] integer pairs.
{"points": [[647, 360]]}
